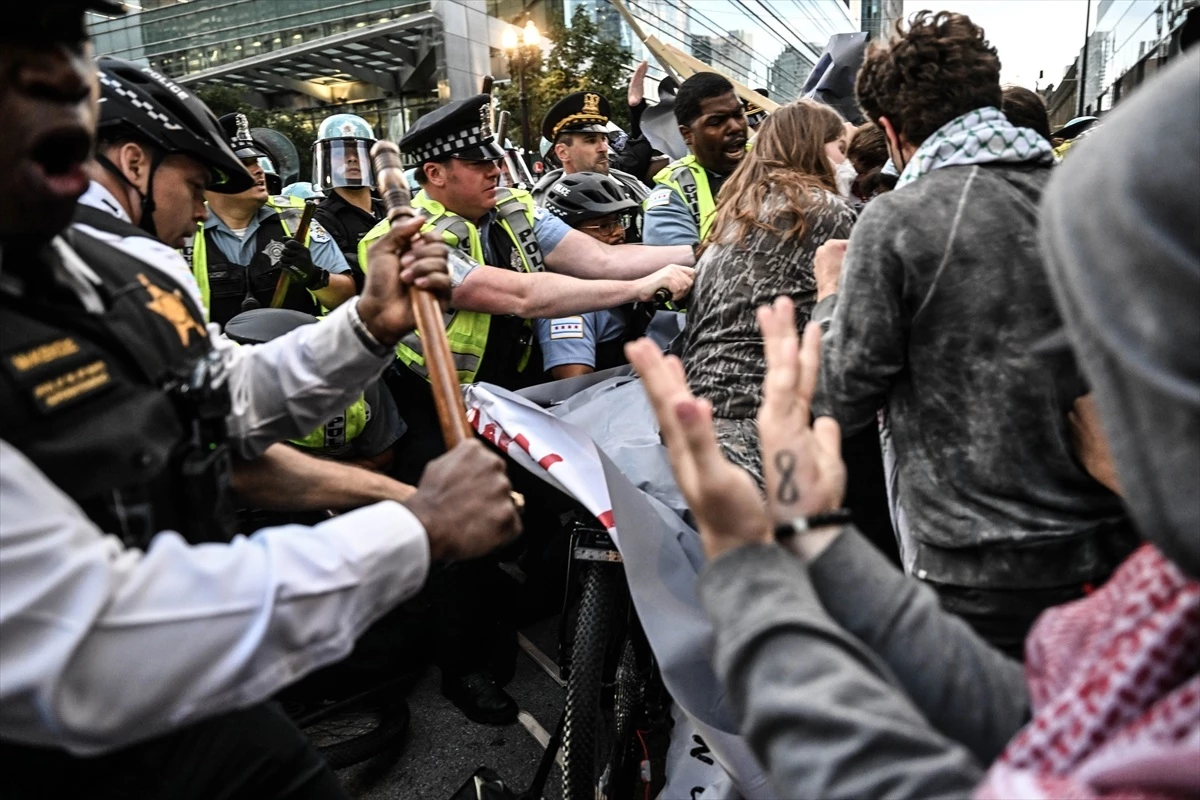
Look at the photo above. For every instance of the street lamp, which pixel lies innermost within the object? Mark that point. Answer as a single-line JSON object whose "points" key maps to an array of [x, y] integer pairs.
{"points": [[520, 43]]}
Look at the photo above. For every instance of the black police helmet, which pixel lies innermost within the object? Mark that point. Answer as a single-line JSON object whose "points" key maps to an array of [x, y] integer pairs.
{"points": [[259, 325], [150, 107], [581, 196]]}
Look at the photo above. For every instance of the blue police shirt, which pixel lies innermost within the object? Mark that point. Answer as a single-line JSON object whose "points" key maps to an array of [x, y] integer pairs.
{"points": [[666, 219], [573, 340], [548, 229], [324, 250]]}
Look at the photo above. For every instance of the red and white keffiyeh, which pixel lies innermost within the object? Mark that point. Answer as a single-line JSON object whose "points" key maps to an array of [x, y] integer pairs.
{"points": [[1114, 683]]}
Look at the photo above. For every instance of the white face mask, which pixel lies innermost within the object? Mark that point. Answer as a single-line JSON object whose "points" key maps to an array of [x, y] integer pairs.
{"points": [[845, 174]]}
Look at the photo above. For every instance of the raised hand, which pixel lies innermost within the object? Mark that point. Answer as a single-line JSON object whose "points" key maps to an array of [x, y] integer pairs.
{"points": [[729, 510], [637, 84], [803, 465]]}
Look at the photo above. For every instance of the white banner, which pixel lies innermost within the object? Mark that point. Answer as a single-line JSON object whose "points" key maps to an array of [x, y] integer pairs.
{"points": [[662, 558]]}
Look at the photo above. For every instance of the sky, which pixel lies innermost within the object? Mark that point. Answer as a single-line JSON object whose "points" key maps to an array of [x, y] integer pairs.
{"points": [[1029, 35]]}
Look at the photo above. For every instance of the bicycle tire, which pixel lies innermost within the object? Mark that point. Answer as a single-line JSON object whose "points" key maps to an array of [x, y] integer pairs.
{"points": [[584, 684]]}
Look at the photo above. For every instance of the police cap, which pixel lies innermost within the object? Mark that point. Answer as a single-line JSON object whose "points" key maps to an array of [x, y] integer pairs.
{"points": [[581, 112], [461, 129], [237, 131]]}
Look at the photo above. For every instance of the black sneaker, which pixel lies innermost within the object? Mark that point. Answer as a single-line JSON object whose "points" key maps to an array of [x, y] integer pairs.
{"points": [[478, 696]]}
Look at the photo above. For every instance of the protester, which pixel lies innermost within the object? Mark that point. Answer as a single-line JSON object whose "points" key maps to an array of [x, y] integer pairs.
{"points": [[936, 330], [777, 208], [868, 154], [133, 663], [1026, 109], [825, 649], [710, 117]]}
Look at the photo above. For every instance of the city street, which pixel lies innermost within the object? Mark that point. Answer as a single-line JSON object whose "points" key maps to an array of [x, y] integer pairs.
{"points": [[443, 748]]}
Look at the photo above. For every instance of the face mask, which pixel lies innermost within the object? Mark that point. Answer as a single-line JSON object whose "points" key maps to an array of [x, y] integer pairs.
{"points": [[845, 174]]}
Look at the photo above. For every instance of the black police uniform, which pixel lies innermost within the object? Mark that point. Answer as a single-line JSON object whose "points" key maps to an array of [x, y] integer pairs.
{"points": [[125, 411], [348, 224]]}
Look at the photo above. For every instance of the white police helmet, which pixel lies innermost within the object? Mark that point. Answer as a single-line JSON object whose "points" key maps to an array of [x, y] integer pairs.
{"points": [[342, 153]]}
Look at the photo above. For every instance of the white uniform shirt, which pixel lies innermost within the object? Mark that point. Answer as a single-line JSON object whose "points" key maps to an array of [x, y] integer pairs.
{"points": [[102, 646], [152, 251]]}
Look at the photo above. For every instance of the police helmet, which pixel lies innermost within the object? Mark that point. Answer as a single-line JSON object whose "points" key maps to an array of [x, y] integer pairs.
{"points": [[303, 190], [342, 153], [581, 196], [140, 102], [273, 181]]}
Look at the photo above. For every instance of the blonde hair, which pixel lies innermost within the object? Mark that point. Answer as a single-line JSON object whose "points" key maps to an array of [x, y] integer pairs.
{"points": [[787, 161]]}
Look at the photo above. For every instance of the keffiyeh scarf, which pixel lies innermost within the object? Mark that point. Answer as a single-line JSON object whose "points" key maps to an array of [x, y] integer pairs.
{"points": [[1114, 684], [982, 136]]}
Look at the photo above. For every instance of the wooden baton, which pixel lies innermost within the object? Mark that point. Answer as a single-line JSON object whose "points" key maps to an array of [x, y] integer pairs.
{"points": [[285, 277], [447, 396]]}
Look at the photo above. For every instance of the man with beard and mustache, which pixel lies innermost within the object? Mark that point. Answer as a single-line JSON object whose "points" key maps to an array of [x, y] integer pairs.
{"points": [[713, 124], [577, 126], [139, 637]]}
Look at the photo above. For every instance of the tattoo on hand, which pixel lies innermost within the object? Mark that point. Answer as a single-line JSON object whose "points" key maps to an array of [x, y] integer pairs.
{"points": [[787, 492]]}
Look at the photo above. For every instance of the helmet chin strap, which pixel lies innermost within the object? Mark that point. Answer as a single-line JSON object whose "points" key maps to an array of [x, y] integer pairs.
{"points": [[147, 197]]}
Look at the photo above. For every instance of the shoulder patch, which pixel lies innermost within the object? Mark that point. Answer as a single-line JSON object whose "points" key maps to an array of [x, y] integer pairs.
{"points": [[659, 197], [566, 328], [317, 232]]}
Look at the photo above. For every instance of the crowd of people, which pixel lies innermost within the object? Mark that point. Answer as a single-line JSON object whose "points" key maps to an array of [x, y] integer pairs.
{"points": [[976, 572]]}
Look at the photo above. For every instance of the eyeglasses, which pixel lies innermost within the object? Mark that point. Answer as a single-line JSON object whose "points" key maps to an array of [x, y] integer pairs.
{"points": [[619, 225]]}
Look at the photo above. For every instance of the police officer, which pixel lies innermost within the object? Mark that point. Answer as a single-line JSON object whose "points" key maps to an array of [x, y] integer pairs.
{"points": [[239, 251], [342, 171], [755, 114], [594, 204], [578, 128], [490, 332], [364, 432], [140, 670], [683, 207]]}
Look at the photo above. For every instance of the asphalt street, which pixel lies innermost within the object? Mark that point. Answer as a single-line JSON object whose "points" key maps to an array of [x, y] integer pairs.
{"points": [[443, 748]]}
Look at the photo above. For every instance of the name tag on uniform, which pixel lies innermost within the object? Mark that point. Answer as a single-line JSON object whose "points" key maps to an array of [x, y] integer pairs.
{"points": [[659, 197], [59, 373], [566, 328]]}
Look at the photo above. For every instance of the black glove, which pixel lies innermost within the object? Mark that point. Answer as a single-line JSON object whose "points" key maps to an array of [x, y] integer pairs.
{"points": [[298, 261]]}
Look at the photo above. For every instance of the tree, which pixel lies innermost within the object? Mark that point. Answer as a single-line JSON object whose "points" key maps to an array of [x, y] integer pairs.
{"points": [[579, 60], [297, 127]]}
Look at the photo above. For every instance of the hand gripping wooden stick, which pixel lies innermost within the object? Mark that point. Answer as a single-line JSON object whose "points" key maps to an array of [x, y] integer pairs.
{"points": [[285, 277], [451, 411]]}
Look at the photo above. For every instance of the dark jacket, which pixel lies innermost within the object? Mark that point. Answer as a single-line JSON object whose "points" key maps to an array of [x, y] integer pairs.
{"points": [[347, 224], [943, 297]]}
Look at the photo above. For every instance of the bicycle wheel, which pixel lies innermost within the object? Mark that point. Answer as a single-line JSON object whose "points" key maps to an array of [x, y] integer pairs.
{"points": [[582, 731], [351, 731]]}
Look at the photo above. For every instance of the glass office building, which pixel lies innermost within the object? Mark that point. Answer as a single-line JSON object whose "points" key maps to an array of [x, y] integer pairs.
{"points": [[1128, 41], [393, 60]]}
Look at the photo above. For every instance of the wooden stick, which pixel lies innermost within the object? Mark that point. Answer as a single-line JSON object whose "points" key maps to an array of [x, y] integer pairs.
{"points": [[636, 27], [285, 277], [443, 378]]}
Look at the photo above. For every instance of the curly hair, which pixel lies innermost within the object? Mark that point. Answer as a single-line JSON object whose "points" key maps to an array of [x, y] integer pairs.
{"points": [[694, 91], [788, 161], [937, 69]]}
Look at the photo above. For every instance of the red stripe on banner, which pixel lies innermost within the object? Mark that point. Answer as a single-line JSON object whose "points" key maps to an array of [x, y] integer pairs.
{"points": [[503, 441], [606, 519], [522, 442], [546, 462], [473, 418]]}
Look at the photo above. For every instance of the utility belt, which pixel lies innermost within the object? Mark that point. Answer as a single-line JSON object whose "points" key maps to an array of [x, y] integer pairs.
{"points": [[205, 464]]}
